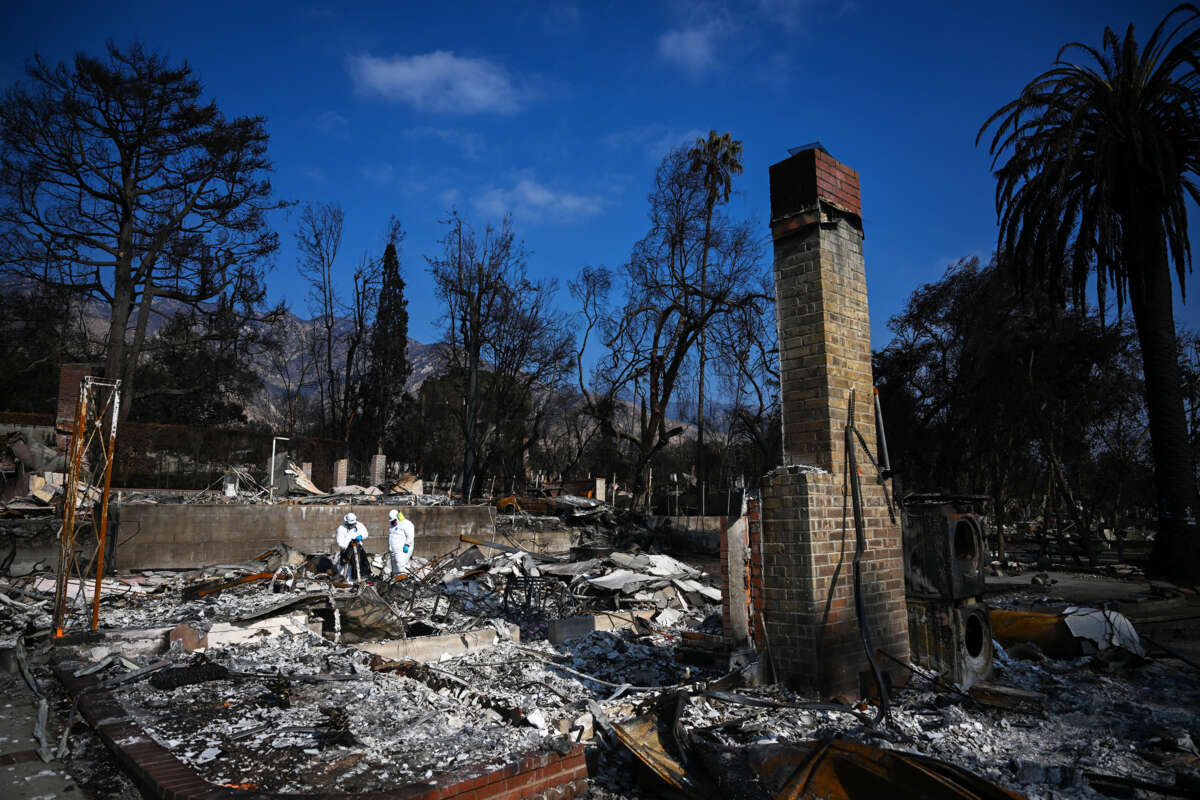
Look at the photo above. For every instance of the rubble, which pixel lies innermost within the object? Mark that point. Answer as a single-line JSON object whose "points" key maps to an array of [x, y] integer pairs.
{"points": [[408, 484], [393, 729], [31, 474], [1073, 632], [290, 479], [1103, 629], [490, 650]]}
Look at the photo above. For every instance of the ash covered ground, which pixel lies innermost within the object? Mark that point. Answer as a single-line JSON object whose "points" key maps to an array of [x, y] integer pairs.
{"points": [[1136, 722], [284, 735], [299, 712]]}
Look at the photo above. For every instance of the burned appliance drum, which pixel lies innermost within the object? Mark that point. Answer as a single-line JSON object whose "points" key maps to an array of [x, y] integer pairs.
{"points": [[952, 637], [943, 552]]}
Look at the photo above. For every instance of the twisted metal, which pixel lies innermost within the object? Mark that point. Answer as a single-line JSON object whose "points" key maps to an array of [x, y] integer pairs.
{"points": [[90, 462]]}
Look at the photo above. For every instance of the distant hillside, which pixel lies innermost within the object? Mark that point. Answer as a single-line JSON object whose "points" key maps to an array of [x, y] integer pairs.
{"points": [[425, 359]]}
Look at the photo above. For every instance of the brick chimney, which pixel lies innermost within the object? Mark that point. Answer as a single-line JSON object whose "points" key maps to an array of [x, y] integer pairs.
{"points": [[70, 377], [824, 352]]}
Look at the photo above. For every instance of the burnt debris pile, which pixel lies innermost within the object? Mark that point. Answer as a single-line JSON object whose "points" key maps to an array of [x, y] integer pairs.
{"points": [[276, 675]]}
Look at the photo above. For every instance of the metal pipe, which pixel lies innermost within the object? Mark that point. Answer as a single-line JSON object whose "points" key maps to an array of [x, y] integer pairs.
{"points": [[885, 462], [860, 546]]}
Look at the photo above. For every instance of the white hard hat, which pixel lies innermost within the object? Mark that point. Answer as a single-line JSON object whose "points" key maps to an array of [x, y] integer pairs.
{"points": [[393, 514], [350, 519]]}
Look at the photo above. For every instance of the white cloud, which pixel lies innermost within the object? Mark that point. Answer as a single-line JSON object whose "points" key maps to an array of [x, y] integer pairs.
{"points": [[693, 48], [530, 201], [655, 139], [439, 82], [469, 142], [707, 32], [328, 121]]}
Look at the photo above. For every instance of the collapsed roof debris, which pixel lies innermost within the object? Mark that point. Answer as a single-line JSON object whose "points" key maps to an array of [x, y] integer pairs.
{"points": [[31, 474], [409, 484], [291, 480]]}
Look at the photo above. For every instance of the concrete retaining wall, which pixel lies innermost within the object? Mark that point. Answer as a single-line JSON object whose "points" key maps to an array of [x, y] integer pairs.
{"points": [[186, 536]]}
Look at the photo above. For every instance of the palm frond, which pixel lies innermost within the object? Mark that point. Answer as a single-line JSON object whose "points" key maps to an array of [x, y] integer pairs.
{"points": [[1097, 151]]}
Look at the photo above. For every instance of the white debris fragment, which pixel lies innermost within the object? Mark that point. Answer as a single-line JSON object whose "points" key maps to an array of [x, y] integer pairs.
{"points": [[208, 754], [668, 617], [1103, 629]]}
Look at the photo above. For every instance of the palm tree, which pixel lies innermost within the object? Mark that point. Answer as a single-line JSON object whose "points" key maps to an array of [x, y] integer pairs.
{"points": [[1100, 158], [720, 158]]}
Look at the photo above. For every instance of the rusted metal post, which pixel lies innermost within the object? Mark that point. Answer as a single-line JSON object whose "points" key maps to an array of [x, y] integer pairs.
{"points": [[103, 531], [66, 538]]}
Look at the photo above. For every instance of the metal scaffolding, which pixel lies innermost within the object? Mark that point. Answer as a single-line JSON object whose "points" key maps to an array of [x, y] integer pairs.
{"points": [[85, 508]]}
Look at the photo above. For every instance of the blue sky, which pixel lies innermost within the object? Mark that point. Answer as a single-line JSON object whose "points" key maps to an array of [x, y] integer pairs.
{"points": [[559, 112]]}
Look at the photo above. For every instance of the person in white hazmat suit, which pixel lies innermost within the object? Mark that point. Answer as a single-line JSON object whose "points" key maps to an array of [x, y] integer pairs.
{"points": [[350, 532], [400, 541]]}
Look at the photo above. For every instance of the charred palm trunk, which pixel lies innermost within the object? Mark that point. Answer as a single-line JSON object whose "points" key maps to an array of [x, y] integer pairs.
{"points": [[1175, 553], [701, 466]]}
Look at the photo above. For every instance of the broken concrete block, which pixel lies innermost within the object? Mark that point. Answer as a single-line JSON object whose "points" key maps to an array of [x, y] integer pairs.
{"points": [[560, 630], [135, 642], [998, 696], [222, 633], [432, 648]]}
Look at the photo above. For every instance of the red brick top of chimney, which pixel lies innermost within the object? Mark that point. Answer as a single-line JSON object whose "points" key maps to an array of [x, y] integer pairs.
{"points": [[799, 181], [69, 378]]}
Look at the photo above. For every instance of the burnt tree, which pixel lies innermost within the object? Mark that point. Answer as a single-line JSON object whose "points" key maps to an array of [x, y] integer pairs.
{"points": [[691, 269], [121, 185]]}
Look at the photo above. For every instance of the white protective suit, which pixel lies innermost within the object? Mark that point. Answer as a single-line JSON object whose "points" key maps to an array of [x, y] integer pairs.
{"points": [[347, 535], [400, 544]]}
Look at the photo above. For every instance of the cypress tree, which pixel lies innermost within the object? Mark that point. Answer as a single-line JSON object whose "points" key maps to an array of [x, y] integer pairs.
{"points": [[389, 369]]}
